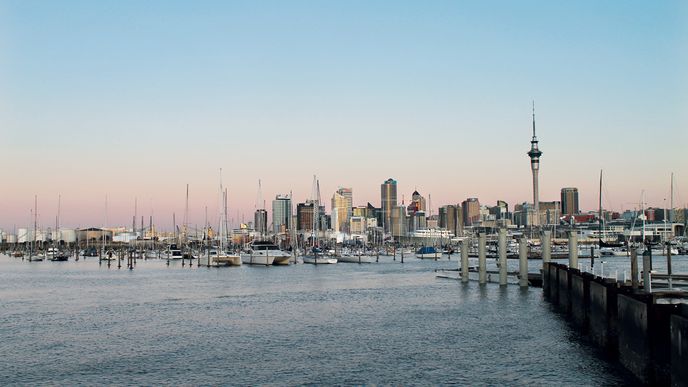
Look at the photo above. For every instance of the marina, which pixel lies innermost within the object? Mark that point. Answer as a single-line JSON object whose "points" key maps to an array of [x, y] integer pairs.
{"points": [[331, 324]]}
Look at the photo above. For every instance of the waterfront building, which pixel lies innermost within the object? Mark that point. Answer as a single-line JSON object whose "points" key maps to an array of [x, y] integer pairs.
{"points": [[357, 225], [471, 211], [534, 155], [569, 201], [281, 214], [388, 200], [92, 235], [342, 209]]}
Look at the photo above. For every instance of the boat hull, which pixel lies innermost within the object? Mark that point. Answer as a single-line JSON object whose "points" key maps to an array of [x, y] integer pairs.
{"points": [[257, 259], [315, 260], [356, 259], [226, 260], [429, 256]]}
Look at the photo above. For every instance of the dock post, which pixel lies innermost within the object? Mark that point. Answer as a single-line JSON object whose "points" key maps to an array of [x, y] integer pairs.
{"points": [[546, 247], [482, 269], [668, 255], [573, 249], [647, 263], [502, 256], [634, 269], [523, 262], [464, 260]]}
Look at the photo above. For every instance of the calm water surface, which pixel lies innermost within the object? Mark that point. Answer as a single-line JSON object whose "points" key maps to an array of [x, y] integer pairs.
{"points": [[70, 323]]}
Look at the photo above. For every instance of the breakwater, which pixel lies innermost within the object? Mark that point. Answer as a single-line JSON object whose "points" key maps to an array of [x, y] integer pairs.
{"points": [[647, 332]]}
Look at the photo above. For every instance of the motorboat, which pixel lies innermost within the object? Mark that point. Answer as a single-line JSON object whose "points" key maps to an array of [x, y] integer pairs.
{"points": [[55, 255], [428, 252], [265, 253], [174, 252]]}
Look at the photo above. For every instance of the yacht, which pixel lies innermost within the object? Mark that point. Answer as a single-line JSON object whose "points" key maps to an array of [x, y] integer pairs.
{"points": [[174, 253], [265, 253], [317, 257]]}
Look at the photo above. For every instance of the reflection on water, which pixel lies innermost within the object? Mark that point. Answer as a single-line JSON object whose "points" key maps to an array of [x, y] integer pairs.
{"points": [[387, 323]]}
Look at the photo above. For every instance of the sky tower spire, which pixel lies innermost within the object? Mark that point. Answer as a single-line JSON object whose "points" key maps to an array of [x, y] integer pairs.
{"points": [[534, 155], [534, 137]]}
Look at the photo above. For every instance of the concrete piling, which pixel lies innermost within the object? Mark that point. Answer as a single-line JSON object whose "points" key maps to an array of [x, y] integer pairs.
{"points": [[647, 266], [464, 260], [502, 257], [546, 246], [522, 262], [482, 264], [573, 249]]}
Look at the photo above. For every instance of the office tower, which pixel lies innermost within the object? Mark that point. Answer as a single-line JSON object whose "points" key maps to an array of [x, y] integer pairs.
{"points": [[260, 221], [471, 211], [281, 214], [388, 193], [342, 203], [304, 216], [569, 201]]}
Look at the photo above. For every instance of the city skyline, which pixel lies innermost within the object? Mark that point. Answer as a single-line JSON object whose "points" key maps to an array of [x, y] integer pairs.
{"points": [[137, 103]]}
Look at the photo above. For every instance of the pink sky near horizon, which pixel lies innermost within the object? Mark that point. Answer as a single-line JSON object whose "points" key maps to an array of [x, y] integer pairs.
{"points": [[83, 201]]}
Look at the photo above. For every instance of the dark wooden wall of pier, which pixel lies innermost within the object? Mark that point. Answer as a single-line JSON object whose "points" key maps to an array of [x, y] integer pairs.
{"points": [[646, 333]]}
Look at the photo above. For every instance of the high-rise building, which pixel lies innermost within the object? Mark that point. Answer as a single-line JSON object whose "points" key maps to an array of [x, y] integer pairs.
{"points": [[417, 203], [342, 203], [388, 195], [550, 212], [569, 201], [281, 213], [534, 155], [420, 222], [260, 221], [471, 211], [398, 222], [451, 219], [304, 216]]}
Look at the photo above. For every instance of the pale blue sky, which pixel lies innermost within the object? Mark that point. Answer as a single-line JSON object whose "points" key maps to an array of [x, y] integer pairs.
{"points": [[435, 94]]}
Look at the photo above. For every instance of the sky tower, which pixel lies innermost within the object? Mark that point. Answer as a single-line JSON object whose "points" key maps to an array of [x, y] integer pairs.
{"points": [[534, 155]]}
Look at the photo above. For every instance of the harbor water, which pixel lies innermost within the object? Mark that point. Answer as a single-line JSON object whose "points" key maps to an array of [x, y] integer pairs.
{"points": [[80, 322]]}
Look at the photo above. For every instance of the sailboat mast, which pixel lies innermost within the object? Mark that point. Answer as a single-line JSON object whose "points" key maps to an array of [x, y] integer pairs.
{"points": [[671, 200], [186, 213], [57, 219], [35, 220], [600, 207]]}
